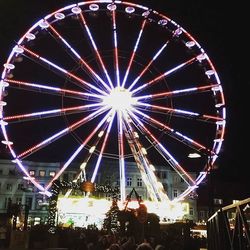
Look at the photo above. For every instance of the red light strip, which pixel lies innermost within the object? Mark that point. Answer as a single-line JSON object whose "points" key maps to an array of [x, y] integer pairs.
{"points": [[79, 57], [63, 71], [62, 91], [133, 53], [61, 133], [167, 73], [96, 50]]}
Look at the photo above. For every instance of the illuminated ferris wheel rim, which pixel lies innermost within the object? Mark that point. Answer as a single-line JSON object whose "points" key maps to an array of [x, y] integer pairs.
{"points": [[111, 90]]}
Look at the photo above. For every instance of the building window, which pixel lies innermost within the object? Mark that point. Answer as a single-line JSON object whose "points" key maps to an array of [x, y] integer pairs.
{"points": [[32, 172], [38, 202], [29, 187], [191, 211], [28, 202], [202, 214], [20, 186], [42, 173], [18, 200], [52, 173], [139, 182], [158, 174], [175, 192], [129, 181], [37, 221], [207, 214], [7, 202], [176, 179], [218, 201], [164, 175], [9, 187], [12, 172], [1, 171]]}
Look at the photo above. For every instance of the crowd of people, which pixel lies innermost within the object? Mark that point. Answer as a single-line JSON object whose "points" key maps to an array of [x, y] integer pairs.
{"points": [[3, 236], [94, 239]]}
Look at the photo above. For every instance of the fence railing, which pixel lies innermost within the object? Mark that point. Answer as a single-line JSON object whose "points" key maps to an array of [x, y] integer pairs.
{"points": [[228, 228]]}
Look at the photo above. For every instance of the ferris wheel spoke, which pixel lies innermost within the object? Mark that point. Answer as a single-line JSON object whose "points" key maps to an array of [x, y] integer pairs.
{"points": [[147, 66], [175, 134], [61, 133], [51, 113], [180, 92], [114, 28], [162, 150], [138, 160], [74, 54], [146, 169], [121, 154], [92, 149], [167, 73], [81, 83], [83, 21], [40, 88], [104, 144], [107, 128], [134, 52], [179, 113], [79, 149]]}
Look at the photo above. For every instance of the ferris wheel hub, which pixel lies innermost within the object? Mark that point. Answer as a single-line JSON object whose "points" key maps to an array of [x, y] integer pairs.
{"points": [[120, 99]]}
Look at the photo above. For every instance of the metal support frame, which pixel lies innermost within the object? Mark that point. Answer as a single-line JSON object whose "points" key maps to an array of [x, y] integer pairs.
{"points": [[228, 228]]}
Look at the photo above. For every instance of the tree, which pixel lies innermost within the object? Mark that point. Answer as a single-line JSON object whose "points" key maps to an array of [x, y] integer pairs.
{"points": [[111, 223]]}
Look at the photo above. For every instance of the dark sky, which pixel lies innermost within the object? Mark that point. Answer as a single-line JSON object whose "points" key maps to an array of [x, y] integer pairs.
{"points": [[215, 27]]}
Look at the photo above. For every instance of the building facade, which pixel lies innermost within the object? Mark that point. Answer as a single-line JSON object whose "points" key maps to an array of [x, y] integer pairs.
{"points": [[17, 189]]}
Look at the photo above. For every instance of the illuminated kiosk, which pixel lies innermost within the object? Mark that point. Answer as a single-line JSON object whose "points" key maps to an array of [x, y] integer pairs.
{"points": [[81, 212], [75, 211], [143, 90]]}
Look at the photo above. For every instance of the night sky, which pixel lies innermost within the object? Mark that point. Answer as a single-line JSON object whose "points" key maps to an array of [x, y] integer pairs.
{"points": [[214, 26]]}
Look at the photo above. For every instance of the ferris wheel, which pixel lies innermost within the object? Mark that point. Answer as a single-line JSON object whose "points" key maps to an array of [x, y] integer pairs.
{"points": [[112, 79]]}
